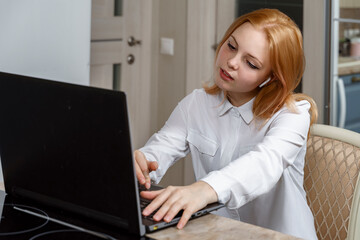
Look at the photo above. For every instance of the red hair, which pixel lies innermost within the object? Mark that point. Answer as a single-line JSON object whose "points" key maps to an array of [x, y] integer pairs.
{"points": [[286, 58]]}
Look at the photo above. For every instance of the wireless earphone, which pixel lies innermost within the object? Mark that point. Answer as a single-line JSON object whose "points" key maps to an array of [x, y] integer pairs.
{"points": [[264, 82]]}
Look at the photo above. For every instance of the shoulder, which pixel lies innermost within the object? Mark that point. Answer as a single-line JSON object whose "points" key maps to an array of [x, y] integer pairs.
{"points": [[299, 107], [200, 98], [200, 93], [297, 118], [303, 105]]}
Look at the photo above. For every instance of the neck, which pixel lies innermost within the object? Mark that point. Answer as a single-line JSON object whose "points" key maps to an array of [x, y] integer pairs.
{"points": [[239, 99]]}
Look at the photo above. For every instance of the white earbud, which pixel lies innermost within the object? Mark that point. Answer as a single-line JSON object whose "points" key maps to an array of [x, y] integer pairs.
{"points": [[264, 82]]}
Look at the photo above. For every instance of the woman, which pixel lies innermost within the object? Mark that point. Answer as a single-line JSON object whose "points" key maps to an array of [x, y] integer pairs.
{"points": [[246, 133]]}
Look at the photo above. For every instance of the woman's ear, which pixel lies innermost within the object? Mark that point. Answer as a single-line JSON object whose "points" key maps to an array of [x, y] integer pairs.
{"points": [[264, 82]]}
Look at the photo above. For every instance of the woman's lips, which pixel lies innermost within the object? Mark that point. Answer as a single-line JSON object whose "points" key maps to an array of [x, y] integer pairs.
{"points": [[225, 75]]}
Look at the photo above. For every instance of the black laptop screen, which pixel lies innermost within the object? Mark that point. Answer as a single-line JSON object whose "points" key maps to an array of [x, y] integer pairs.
{"points": [[69, 144]]}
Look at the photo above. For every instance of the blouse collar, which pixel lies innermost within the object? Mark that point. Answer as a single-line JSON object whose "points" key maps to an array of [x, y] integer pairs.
{"points": [[245, 110]]}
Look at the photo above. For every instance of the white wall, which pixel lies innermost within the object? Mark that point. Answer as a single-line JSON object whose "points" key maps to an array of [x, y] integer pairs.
{"points": [[46, 39]]}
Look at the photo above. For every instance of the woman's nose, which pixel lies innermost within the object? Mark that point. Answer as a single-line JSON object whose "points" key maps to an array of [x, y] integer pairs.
{"points": [[233, 63]]}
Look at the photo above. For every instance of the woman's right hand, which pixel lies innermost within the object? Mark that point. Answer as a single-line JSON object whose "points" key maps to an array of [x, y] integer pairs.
{"points": [[143, 167]]}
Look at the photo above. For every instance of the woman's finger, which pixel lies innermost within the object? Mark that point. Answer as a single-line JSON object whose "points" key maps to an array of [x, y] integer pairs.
{"points": [[142, 171], [184, 218], [157, 197], [169, 208], [151, 194], [153, 166], [175, 208], [139, 175]]}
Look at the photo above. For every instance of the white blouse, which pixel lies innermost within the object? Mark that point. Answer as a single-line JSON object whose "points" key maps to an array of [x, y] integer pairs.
{"points": [[257, 172]]}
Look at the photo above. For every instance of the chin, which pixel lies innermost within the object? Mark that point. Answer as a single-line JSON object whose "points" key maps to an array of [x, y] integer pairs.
{"points": [[221, 84]]}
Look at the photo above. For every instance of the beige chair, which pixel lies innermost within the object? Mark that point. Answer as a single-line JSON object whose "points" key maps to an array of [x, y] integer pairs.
{"points": [[331, 181]]}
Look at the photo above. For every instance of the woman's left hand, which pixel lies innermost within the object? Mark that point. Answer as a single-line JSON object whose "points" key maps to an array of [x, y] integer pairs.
{"points": [[173, 199]]}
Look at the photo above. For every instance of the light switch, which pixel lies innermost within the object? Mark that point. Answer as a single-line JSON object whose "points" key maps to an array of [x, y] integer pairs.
{"points": [[167, 46]]}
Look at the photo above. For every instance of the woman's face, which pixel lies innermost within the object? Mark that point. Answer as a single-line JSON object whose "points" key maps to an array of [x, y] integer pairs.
{"points": [[243, 63]]}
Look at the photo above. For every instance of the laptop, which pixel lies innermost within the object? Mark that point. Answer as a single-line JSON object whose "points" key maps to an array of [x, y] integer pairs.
{"points": [[68, 146]]}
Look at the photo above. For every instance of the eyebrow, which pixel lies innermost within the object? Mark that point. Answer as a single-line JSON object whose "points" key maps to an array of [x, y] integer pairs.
{"points": [[251, 56]]}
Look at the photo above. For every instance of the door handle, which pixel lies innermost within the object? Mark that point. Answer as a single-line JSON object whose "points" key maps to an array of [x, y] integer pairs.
{"points": [[130, 59], [132, 41], [342, 96]]}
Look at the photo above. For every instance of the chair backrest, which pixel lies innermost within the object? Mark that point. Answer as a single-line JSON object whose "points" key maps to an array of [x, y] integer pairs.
{"points": [[331, 173]]}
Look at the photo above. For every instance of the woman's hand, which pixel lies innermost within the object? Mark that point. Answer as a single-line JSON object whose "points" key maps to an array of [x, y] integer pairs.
{"points": [[173, 199], [143, 167]]}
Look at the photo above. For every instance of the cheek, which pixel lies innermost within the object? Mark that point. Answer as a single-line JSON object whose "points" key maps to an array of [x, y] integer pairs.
{"points": [[250, 79], [221, 56]]}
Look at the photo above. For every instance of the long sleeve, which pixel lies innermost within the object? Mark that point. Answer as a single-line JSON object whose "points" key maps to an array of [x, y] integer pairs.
{"points": [[168, 145], [257, 171]]}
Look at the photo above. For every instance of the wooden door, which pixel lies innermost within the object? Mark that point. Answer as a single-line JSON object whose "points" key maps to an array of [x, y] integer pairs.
{"points": [[120, 59]]}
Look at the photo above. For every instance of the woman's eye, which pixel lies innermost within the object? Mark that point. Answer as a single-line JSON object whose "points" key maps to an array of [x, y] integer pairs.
{"points": [[252, 65], [231, 46]]}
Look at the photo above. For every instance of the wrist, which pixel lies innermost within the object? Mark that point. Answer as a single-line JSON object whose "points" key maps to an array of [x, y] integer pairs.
{"points": [[207, 191]]}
